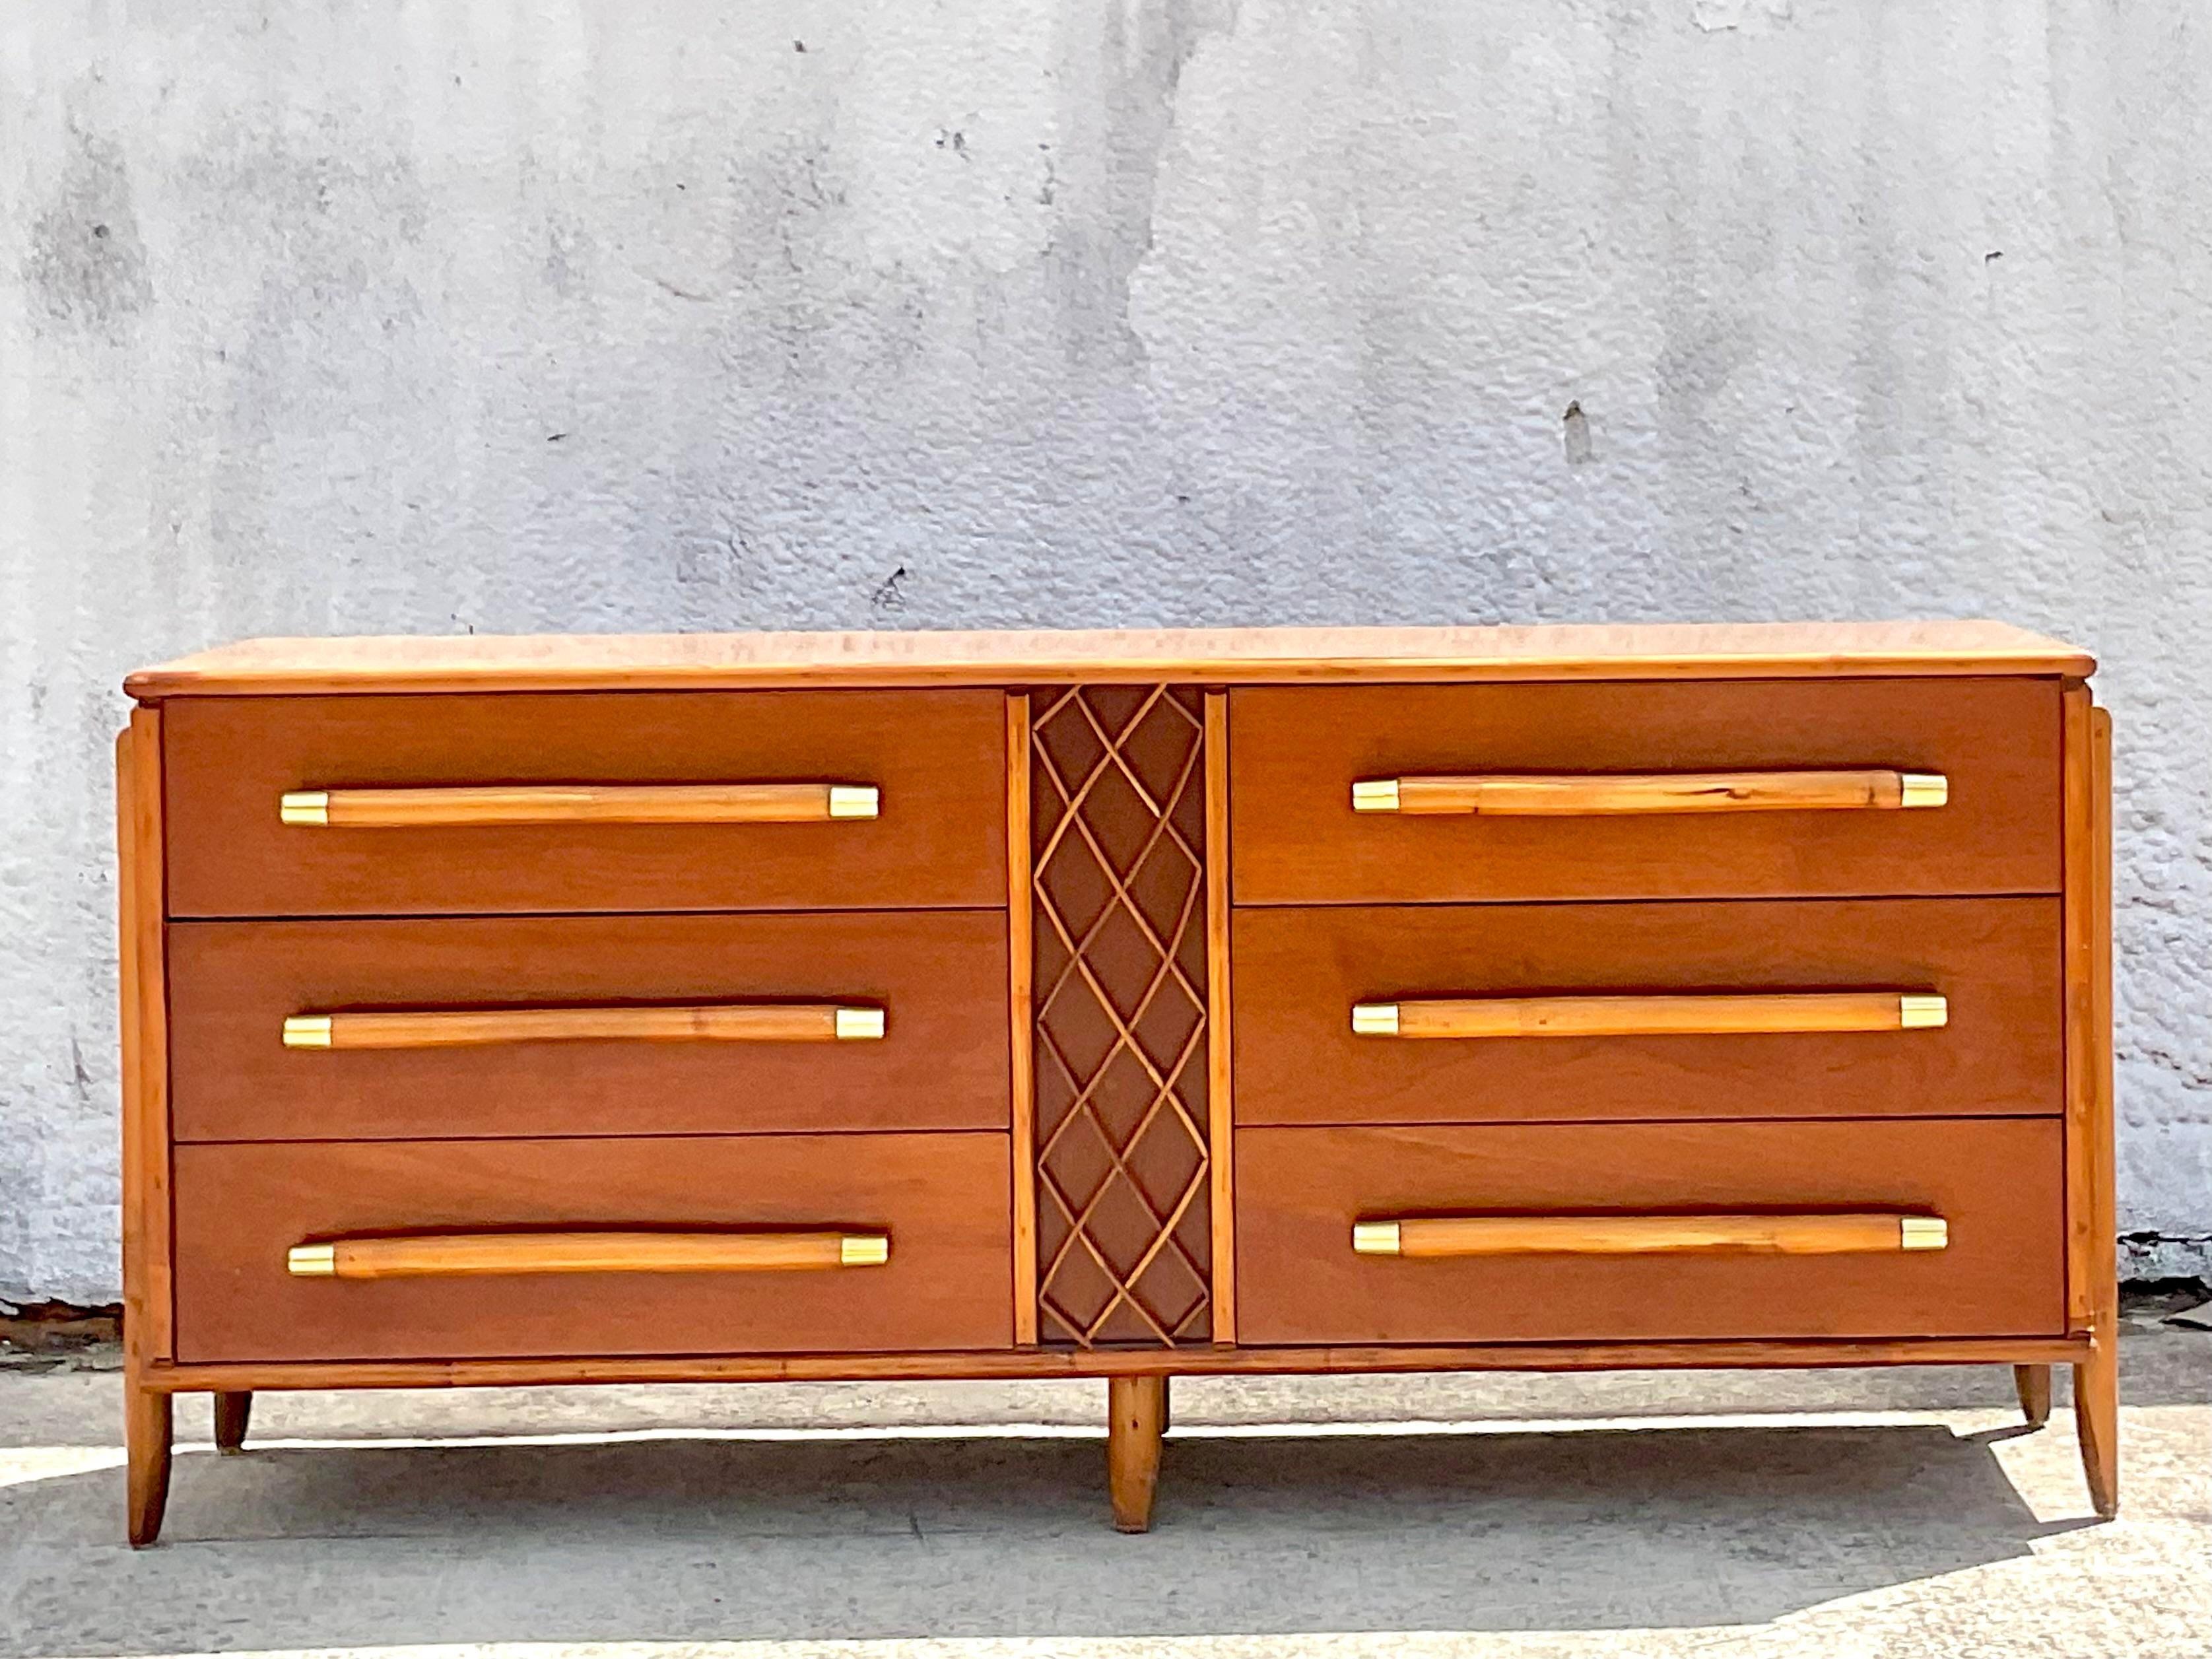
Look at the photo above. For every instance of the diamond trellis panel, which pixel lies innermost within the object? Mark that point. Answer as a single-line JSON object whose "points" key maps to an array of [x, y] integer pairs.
{"points": [[1119, 815]]}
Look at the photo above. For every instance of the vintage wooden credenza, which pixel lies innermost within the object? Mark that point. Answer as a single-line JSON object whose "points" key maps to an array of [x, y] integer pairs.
{"points": [[1117, 1004]]}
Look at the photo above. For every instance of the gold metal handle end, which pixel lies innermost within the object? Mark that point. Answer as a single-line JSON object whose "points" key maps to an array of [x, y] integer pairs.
{"points": [[860, 1024], [1375, 795], [870, 1250], [305, 807], [1921, 1013], [1375, 1238], [1374, 1018], [1923, 1233], [1923, 789], [306, 1030], [854, 800], [312, 1260]]}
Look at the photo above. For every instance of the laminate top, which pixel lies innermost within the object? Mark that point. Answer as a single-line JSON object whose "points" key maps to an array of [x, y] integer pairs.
{"points": [[1225, 656]]}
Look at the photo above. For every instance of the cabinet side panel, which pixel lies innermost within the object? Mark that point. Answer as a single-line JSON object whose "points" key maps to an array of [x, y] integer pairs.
{"points": [[2086, 1161], [2092, 1282], [142, 898], [1118, 834]]}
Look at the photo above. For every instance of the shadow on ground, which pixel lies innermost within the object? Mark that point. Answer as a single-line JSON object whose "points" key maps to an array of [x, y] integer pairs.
{"points": [[715, 1538]]}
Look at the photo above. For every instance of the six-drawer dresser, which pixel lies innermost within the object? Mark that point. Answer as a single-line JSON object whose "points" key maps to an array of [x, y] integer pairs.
{"points": [[1113, 1004]]}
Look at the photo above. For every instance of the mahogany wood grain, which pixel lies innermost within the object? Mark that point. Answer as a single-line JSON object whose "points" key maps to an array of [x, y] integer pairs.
{"points": [[233, 1410], [1298, 751], [941, 1064], [1217, 656], [1703, 1013], [1601, 794], [1995, 1182], [1021, 968], [2033, 1383], [1300, 970], [940, 1198], [1244, 1360], [1136, 1418], [936, 758], [1447, 1237], [1220, 1092], [512, 1254]]}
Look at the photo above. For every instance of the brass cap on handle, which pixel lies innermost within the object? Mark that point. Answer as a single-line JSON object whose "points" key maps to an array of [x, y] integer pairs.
{"points": [[1923, 1233], [1375, 1238], [858, 1024], [304, 807], [854, 800], [1923, 789], [1375, 795], [864, 1249], [1374, 1018], [312, 1260], [306, 1030], [1921, 1013]]}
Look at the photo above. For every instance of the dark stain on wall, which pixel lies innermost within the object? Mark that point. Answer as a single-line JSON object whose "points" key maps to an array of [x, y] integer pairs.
{"points": [[1122, 67], [85, 263]]}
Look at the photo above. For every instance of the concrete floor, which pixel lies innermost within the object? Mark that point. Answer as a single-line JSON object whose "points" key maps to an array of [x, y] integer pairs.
{"points": [[1847, 1515]]}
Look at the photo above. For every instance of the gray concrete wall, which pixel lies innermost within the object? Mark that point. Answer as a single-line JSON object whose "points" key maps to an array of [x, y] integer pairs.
{"points": [[569, 314]]}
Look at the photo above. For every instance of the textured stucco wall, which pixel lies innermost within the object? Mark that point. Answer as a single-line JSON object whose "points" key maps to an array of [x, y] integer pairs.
{"points": [[565, 314]]}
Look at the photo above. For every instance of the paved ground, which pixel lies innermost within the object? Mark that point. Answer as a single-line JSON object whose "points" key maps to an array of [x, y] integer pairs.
{"points": [[1849, 1515]]}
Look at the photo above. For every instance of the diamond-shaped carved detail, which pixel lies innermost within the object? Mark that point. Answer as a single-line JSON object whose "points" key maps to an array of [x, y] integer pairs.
{"points": [[1118, 813]]}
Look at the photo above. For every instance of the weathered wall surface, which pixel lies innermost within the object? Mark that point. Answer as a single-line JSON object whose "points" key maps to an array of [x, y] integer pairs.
{"points": [[565, 314]]}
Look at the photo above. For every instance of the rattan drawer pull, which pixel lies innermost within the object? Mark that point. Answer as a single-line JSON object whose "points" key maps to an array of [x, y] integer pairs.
{"points": [[581, 803], [1873, 1232], [1593, 794], [1653, 1016], [458, 1028], [451, 1255]]}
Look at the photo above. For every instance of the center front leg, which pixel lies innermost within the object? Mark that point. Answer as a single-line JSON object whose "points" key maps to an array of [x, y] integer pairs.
{"points": [[1136, 1418]]}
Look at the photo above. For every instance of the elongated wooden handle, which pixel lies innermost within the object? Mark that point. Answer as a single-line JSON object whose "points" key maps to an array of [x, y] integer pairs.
{"points": [[1859, 1232], [1588, 794], [1653, 1016], [460, 1027], [580, 803], [451, 1255]]}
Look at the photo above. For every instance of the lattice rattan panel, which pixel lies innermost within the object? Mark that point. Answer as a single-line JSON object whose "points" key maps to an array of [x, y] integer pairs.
{"points": [[1118, 816]]}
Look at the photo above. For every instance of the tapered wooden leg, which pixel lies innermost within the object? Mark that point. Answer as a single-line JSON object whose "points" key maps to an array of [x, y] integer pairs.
{"points": [[231, 1411], [2097, 1424], [2033, 1383], [146, 1427], [1135, 1408]]}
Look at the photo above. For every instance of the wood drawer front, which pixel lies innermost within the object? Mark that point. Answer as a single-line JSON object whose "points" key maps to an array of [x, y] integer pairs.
{"points": [[1995, 1182], [1300, 971], [1296, 753], [938, 977], [937, 759], [941, 1198]]}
